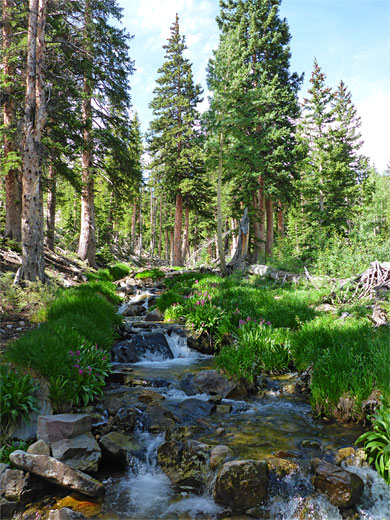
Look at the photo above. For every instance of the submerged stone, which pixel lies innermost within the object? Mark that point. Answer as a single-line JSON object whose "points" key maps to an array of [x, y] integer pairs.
{"points": [[145, 345]]}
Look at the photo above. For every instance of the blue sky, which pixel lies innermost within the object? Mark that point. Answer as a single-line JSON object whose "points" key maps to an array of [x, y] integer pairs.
{"points": [[349, 38]]}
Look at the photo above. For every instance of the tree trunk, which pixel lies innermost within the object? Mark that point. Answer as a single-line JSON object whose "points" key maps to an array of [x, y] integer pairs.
{"points": [[261, 210], [140, 223], [13, 189], [186, 233], [172, 244], [233, 225], [133, 226], [160, 230], [242, 243], [87, 242], [177, 253], [33, 261], [221, 251], [280, 221], [51, 207], [269, 243]]}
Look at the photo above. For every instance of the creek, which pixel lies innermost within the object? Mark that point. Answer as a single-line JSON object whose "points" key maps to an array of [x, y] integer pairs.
{"points": [[276, 421]]}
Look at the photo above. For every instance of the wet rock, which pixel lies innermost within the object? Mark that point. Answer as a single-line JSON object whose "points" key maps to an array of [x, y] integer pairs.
{"points": [[117, 447], [65, 514], [39, 448], [185, 463], [352, 457], [282, 467], [7, 508], [82, 452], [215, 399], [149, 396], [125, 420], [114, 405], [218, 455], [135, 309], [223, 409], [199, 342], [310, 443], [241, 484], [52, 428], [192, 409], [88, 507], [151, 344], [57, 472], [154, 315], [342, 487], [159, 418], [213, 383]]}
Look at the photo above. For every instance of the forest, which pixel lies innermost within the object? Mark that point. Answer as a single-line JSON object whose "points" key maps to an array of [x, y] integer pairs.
{"points": [[260, 219]]}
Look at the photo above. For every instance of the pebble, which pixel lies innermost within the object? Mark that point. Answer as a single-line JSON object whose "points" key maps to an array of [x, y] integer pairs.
{"points": [[9, 326]]}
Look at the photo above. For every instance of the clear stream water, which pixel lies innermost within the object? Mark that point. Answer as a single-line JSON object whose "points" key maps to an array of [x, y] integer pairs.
{"points": [[254, 429]]}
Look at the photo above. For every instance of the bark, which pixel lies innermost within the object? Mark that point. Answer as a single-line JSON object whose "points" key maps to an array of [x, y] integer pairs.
{"points": [[177, 253], [33, 264], [140, 222], [242, 243], [133, 226], [221, 251], [160, 230], [280, 221], [152, 227], [269, 242], [87, 242], [186, 233], [51, 207], [233, 225], [172, 244], [261, 210], [13, 188], [167, 248]]}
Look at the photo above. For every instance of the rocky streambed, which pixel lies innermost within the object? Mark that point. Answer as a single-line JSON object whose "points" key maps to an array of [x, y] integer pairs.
{"points": [[175, 439]]}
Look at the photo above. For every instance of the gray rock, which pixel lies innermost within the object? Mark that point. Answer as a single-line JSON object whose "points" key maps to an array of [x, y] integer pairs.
{"points": [[118, 447], [65, 514], [82, 452], [135, 309], [52, 428], [150, 345], [26, 430], [241, 484], [159, 418], [219, 454], [213, 383], [342, 487], [57, 472], [39, 448], [154, 315], [15, 485]]}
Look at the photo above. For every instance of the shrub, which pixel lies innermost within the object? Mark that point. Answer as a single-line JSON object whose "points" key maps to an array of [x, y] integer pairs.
{"points": [[154, 274], [17, 399], [9, 447], [377, 442]]}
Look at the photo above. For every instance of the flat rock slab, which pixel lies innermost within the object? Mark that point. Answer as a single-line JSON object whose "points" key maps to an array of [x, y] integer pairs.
{"points": [[57, 472], [52, 428], [82, 452]]}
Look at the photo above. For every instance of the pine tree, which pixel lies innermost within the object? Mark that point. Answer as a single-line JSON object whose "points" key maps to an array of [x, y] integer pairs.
{"points": [[172, 139]]}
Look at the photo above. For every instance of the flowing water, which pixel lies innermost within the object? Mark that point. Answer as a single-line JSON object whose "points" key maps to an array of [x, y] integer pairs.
{"points": [[256, 428]]}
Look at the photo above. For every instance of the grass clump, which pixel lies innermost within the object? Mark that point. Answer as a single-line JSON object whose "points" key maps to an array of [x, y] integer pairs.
{"points": [[154, 274], [109, 274]]}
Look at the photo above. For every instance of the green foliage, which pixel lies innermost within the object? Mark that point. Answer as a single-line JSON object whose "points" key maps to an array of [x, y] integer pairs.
{"points": [[377, 442], [257, 347], [17, 399], [154, 274], [9, 447]]}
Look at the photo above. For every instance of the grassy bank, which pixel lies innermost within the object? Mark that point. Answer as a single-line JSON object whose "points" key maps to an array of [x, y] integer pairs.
{"points": [[257, 325], [69, 349]]}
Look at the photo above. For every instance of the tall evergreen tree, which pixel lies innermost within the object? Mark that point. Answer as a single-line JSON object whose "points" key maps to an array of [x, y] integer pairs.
{"points": [[173, 131]]}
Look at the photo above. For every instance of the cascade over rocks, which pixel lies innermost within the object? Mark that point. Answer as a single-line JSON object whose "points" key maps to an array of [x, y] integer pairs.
{"points": [[57, 472], [241, 484], [152, 344]]}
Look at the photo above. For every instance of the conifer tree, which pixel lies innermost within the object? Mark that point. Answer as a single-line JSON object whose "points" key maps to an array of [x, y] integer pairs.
{"points": [[172, 139]]}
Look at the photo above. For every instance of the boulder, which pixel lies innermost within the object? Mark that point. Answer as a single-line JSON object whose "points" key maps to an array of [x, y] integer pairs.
{"points": [[213, 383], [145, 345], [39, 448], [185, 463], [351, 456], [65, 514], [82, 452], [149, 396], [218, 455], [342, 487], [57, 472], [189, 410], [154, 315], [282, 467], [16, 485], [241, 484], [118, 447], [159, 418], [199, 342], [135, 309], [52, 428]]}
